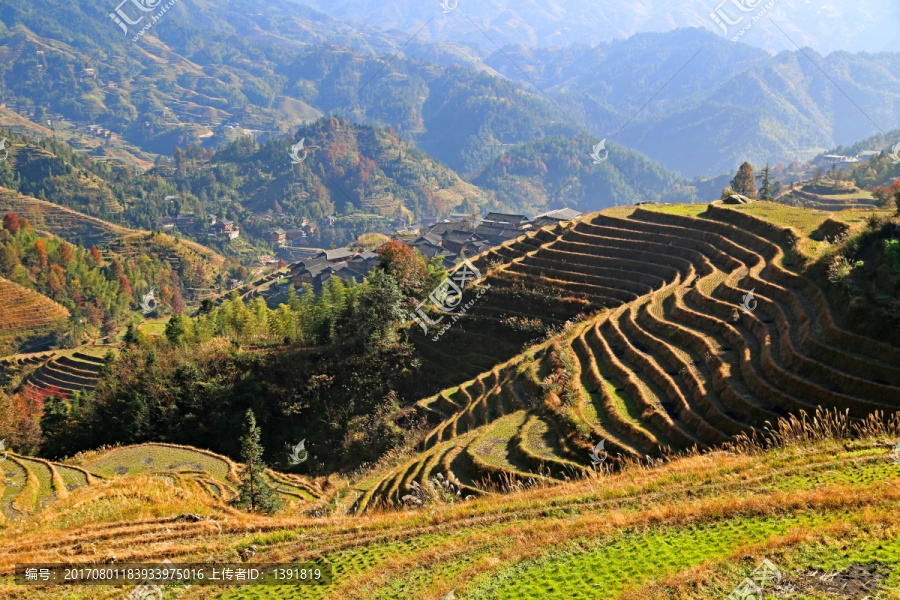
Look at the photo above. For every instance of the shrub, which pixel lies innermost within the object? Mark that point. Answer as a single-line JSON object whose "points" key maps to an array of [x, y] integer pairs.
{"points": [[437, 490], [839, 271], [892, 254]]}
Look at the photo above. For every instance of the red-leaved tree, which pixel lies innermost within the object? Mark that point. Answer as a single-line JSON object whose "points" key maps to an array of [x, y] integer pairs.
{"points": [[404, 265], [11, 223]]}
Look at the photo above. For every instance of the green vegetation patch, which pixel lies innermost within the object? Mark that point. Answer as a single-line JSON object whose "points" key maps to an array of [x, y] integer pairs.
{"points": [[587, 568], [14, 483], [151, 458], [492, 446], [43, 474]]}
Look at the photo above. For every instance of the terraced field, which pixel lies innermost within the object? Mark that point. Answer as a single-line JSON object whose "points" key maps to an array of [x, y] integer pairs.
{"points": [[60, 221], [824, 513], [518, 310], [654, 355], [30, 320], [833, 202], [32, 485], [681, 358], [66, 373]]}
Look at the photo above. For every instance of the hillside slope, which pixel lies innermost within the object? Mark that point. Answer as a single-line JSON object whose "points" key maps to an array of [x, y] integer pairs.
{"points": [[692, 529], [73, 226], [708, 333], [31, 321]]}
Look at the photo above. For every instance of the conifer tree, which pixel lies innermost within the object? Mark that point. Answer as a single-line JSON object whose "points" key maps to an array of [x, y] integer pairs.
{"points": [[254, 493], [54, 426], [765, 191]]}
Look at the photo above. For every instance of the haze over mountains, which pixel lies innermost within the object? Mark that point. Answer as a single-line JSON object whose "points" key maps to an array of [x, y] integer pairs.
{"points": [[829, 25]]}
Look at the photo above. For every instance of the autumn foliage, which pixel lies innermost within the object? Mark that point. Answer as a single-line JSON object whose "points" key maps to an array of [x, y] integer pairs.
{"points": [[404, 265]]}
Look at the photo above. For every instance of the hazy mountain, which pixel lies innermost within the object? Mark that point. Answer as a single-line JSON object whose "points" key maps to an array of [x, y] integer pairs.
{"points": [[726, 103], [826, 25], [274, 70]]}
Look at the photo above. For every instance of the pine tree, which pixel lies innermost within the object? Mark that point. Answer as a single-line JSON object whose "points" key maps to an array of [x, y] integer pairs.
{"points": [[176, 329], [54, 427], [765, 176], [254, 493], [743, 183]]}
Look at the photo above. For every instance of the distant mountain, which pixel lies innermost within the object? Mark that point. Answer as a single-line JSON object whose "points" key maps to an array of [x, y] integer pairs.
{"points": [[559, 172], [826, 25], [696, 103], [346, 169], [268, 74], [701, 105]]}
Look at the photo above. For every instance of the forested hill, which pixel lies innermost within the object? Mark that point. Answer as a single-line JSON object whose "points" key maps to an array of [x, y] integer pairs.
{"points": [[558, 172], [367, 177], [283, 69], [353, 171], [360, 173]]}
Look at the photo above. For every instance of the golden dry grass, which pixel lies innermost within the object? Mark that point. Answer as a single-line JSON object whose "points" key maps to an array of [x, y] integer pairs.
{"points": [[135, 518]]}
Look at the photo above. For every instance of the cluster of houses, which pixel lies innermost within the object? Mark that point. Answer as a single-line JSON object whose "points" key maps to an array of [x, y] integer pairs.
{"points": [[224, 229], [468, 235], [98, 131], [840, 159], [471, 235], [290, 237], [341, 263]]}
